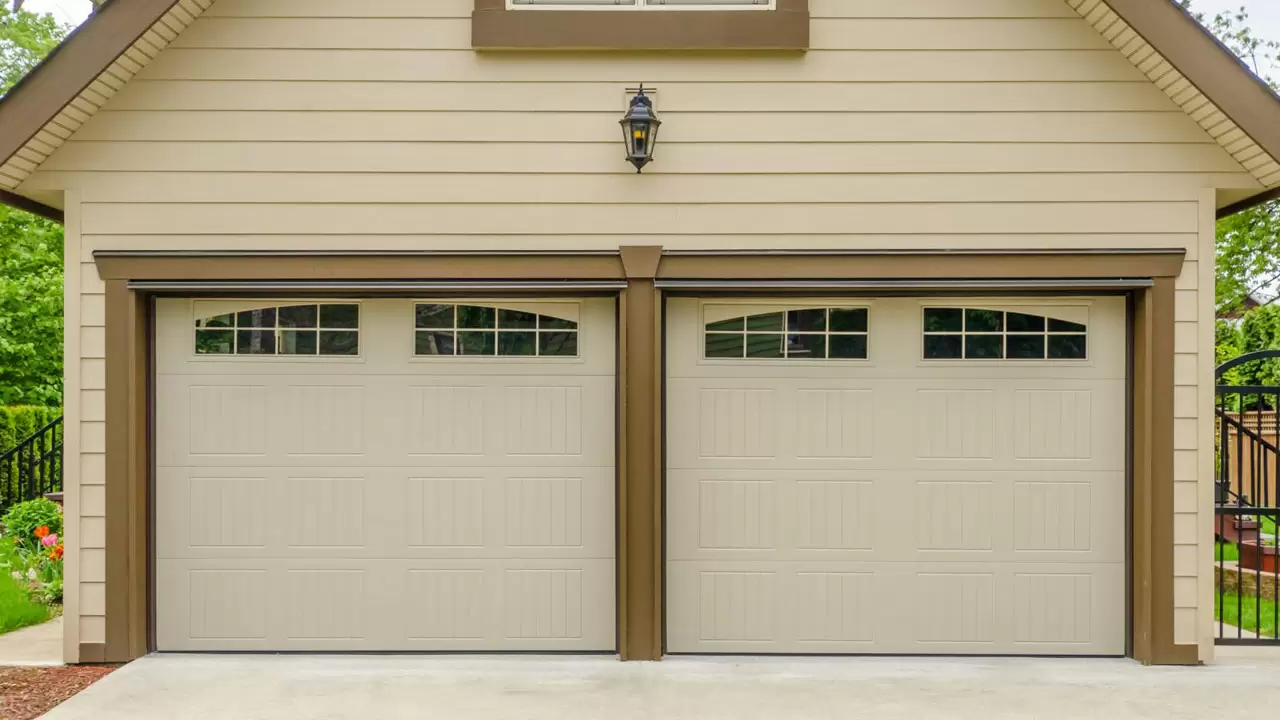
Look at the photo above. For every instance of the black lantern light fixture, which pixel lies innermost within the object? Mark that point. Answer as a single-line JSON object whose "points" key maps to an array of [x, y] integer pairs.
{"points": [[640, 129]]}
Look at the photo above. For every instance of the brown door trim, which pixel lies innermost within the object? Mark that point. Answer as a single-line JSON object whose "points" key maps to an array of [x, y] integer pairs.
{"points": [[640, 531]]}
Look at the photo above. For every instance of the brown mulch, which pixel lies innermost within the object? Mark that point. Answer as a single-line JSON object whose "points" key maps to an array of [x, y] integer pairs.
{"points": [[27, 693]]}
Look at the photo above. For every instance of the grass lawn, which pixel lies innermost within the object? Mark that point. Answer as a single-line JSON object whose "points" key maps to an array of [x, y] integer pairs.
{"points": [[1227, 552], [16, 609], [1247, 615]]}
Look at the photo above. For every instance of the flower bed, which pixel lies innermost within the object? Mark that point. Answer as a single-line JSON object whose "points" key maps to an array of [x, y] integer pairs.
{"points": [[31, 549]]}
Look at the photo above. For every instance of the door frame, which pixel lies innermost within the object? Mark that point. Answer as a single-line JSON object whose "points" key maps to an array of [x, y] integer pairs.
{"points": [[643, 274]]}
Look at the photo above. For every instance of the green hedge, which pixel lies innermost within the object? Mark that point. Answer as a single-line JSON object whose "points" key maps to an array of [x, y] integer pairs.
{"points": [[19, 421]]}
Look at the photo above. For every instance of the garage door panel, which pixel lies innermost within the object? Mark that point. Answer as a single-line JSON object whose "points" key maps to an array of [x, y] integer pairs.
{"points": [[327, 420], [872, 607], [354, 605], [897, 505], [385, 502]]}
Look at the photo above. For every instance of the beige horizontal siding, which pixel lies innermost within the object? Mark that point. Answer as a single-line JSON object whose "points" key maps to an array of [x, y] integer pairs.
{"points": [[537, 158], [982, 124]]}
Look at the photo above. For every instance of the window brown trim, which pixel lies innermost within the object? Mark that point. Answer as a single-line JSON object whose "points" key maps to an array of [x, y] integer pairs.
{"points": [[640, 567], [494, 27]]}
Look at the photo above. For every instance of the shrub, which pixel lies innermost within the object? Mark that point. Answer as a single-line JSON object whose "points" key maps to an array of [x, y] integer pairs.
{"points": [[17, 422], [22, 520]]}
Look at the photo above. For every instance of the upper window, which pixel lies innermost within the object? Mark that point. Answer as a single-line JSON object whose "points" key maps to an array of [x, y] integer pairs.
{"points": [[645, 4], [475, 330], [809, 334], [310, 329], [979, 334]]}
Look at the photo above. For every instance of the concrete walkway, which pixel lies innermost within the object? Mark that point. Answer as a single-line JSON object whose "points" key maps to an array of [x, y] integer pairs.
{"points": [[563, 688], [34, 646]]}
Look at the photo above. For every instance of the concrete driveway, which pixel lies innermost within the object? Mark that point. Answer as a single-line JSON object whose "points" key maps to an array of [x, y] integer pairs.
{"points": [[196, 687]]}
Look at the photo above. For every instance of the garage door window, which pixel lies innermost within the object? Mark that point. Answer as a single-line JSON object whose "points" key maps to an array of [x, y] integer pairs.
{"points": [[475, 330], [315, 329], [952, 333], [805, 334]]}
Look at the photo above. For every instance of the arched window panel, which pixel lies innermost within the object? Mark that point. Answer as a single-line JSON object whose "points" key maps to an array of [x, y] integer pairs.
{"points": [[451, 329], [969, 333], [293, 329], [825, 333]]}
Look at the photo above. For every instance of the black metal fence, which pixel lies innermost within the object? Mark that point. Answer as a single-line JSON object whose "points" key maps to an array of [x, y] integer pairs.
{"points": [[33, 467], [1247, 512]]}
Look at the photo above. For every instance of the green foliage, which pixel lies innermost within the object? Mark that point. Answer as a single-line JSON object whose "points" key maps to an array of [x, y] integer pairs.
{"points": [[21, 521], [30, 247], [30, 309], [16, 607], [25, 39], [35, 566], [19, 422]]}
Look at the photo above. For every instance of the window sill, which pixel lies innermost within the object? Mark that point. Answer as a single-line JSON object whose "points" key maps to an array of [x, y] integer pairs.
{"points": [[494, 27]]}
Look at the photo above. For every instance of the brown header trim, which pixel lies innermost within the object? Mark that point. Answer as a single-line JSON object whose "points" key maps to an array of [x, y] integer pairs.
{"points": [[71, 67], [31, 206], [1232, 209], [640, 531], [494, 27]]}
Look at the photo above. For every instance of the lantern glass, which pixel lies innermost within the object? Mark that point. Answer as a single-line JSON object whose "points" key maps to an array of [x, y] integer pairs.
{"points": [[640, 130]]}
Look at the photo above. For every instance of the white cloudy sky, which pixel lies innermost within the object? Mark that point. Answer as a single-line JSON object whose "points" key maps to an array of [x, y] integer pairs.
{"points": [[1265, 14]]}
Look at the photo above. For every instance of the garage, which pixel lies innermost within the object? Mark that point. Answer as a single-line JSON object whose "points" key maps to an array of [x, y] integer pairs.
{"points": [[384, 474], [933, 475]]}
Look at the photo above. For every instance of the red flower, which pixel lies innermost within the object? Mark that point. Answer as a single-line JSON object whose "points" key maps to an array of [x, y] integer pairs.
{"points": [[56, 553], [42, 531]]}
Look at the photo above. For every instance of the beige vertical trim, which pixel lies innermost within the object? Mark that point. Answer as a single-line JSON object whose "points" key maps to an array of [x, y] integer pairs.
{"points": [[71, 428], [1205, 394]]}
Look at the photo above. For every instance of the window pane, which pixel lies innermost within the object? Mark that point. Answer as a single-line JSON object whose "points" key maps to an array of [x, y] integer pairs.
{"points": [[298, 316], [941, 347], [217, 321], [724, 346], [433, 343], [849, 320], [943, 320], [518, 343], [771, 321], [298, 342], [1021, 322], [215, 342], [734, 324], [807, 347], [1064, 326], [764, 346], [256, 342], [983, 321], [1024, 347], [1067, 347], [517, 320], [561, 344], [470, 316], [477, 343], [263, 318], [546, 322], [849, 347], [433, 317], [979, 347], [339, 316], [339, 342], [807, 321]]}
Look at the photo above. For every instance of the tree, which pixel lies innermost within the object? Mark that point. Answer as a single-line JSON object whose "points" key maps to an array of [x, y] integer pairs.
{"points": [[30, 247], [1248, 243]]}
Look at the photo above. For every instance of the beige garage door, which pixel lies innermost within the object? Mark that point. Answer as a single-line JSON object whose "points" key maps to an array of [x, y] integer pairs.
{"points": [[896, 476], [385, 474]]}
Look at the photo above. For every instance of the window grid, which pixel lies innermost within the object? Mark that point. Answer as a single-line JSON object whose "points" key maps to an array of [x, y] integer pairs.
{"points": [[1079, 333], [294, 330], [548, 336], [839, 344]]}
